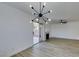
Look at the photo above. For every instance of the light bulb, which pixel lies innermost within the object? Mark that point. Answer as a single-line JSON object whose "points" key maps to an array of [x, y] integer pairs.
{"points": [[50, 10], [37, 19], [61, 23], [30, 6], [44, 3], [49, 19]]}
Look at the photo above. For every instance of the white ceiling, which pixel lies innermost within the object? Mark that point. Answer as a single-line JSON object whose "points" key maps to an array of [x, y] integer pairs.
{"points": [[61, 10]]}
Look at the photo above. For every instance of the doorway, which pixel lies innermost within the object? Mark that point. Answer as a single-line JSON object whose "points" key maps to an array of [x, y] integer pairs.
{"points": [[35, 33]]}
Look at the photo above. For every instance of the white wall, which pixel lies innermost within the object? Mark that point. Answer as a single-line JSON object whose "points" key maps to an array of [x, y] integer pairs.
{"points": [[15, 31], [69, 30]]}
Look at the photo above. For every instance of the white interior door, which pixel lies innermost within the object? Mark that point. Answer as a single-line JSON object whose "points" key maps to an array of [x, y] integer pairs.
{"points": [[42, 33]]}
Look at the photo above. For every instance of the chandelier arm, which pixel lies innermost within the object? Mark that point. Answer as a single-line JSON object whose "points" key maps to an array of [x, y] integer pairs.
{"points": [[36, 11], [45, 13], [44, 19], [40, 7], [36, 14], [35, 18]]}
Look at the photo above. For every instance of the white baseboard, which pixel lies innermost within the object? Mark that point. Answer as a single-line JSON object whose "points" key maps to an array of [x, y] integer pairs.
{"points": [[64, 38]]}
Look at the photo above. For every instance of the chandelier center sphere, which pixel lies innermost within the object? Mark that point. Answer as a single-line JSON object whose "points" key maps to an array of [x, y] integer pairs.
{"points": [[40, 15]]}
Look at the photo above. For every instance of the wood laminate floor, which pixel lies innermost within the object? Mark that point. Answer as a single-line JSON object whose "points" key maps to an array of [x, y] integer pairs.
{"points": [[52, 48]]}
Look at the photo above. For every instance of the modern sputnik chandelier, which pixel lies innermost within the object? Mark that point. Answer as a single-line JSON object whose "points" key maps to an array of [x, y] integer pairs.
{"points": [[40, 16]]}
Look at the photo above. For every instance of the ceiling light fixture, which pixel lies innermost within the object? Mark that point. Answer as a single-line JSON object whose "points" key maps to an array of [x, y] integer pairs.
{"points": [[41, 14], [62, 21]]}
